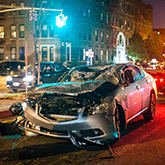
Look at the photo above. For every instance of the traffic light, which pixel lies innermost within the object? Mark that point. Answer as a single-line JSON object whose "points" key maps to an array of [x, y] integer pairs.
{"points": [[61, 20]]}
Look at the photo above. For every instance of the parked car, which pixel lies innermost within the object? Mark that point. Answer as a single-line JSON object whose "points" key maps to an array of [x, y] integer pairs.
{"points": [[49, 73], [9, 67], [159, 76], [90, 103]]}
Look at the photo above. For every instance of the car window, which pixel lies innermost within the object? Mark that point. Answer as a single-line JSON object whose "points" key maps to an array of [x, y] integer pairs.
{"points": [[141, 72], [57, 67], [136, 73], [128, 75]]}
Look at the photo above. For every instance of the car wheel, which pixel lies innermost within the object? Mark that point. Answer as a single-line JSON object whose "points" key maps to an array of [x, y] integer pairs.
{"points": [[150, 113]]}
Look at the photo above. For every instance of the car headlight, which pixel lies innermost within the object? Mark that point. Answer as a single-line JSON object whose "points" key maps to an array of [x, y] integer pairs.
{"points": [[9, 78], [28, 78]]}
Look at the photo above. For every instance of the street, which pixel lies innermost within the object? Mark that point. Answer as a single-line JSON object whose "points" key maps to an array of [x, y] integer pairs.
{"points": [[142, 143]]}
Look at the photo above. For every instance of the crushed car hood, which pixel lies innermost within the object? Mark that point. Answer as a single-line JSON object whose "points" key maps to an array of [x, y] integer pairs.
{"points": [[69, 88]]}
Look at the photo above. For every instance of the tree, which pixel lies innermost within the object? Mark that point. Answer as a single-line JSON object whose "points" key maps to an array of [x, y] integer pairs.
{"points": [[154, 46], [136, 49]]}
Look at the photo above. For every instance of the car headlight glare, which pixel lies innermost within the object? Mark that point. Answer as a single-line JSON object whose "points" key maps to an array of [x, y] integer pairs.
{"points": [[9, 78], [28, 78]]}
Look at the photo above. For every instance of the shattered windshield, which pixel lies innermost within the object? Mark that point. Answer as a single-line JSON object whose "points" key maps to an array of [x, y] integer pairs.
{"points": [[103, 73]]}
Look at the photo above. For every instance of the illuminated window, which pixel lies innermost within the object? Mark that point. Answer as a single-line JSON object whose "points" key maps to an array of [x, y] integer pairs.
{"points": [[107, 55], [44, 31], [2, 33], [44, 53], [107, 36], [101, 58], [102, 36], [102, 17], [13, 31], [13, 53], [1, 53], [107, 19], [21, 31]]}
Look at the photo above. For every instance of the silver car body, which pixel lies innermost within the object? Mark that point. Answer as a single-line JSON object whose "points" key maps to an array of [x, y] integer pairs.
{"points": [[87, 109]]}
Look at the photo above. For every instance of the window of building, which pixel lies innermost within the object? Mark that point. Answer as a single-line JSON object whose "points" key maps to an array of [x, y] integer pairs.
{"points": [[89, 35], [102, 17], [51, 30], [81, 54], [127, 41], [96, 55], [96, 35], [22, 12], [107, 19], [2, 33], [89, 13], [13, 53], [21, 31], [68, 52], [51, 53], [44, 53], [107, 55], [1, 54], [107, 37], [84, 12], [22, 53], [13, 31], [102, 36], [101, 55], [44, 31]]}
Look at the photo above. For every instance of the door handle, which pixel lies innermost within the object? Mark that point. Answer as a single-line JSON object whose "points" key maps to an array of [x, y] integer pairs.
{"points": [[137, 87]]}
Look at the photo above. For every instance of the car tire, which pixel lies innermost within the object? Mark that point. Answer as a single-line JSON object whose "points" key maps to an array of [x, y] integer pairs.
{"points": [[150, 113]]}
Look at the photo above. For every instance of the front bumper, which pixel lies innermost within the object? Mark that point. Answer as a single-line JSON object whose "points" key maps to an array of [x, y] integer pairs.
{"points": [[95, 128]]}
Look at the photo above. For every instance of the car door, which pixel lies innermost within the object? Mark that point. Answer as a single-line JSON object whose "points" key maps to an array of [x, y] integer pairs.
{"points": [[132, 93], [58, 71], [52, 75], [146, 87]]}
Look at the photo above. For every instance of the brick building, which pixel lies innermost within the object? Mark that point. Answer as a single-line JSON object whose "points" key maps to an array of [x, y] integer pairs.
{"points": [[100, 27]]}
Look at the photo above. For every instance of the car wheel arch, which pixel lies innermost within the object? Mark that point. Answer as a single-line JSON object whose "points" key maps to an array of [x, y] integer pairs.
{"points": [[122, 115]]}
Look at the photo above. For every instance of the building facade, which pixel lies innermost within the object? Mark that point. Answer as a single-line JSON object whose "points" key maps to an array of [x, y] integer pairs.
{"points": [[96, 31]]}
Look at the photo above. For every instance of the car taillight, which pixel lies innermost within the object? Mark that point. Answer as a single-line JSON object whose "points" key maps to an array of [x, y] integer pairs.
{"points": [[155, 79], [161, 80]]}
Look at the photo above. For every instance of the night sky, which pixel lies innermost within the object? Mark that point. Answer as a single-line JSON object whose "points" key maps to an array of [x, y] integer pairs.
{"points": [[158, 12]]}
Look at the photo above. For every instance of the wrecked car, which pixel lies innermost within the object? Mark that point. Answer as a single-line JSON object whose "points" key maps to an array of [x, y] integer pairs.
{"points": [[90, 103]]}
